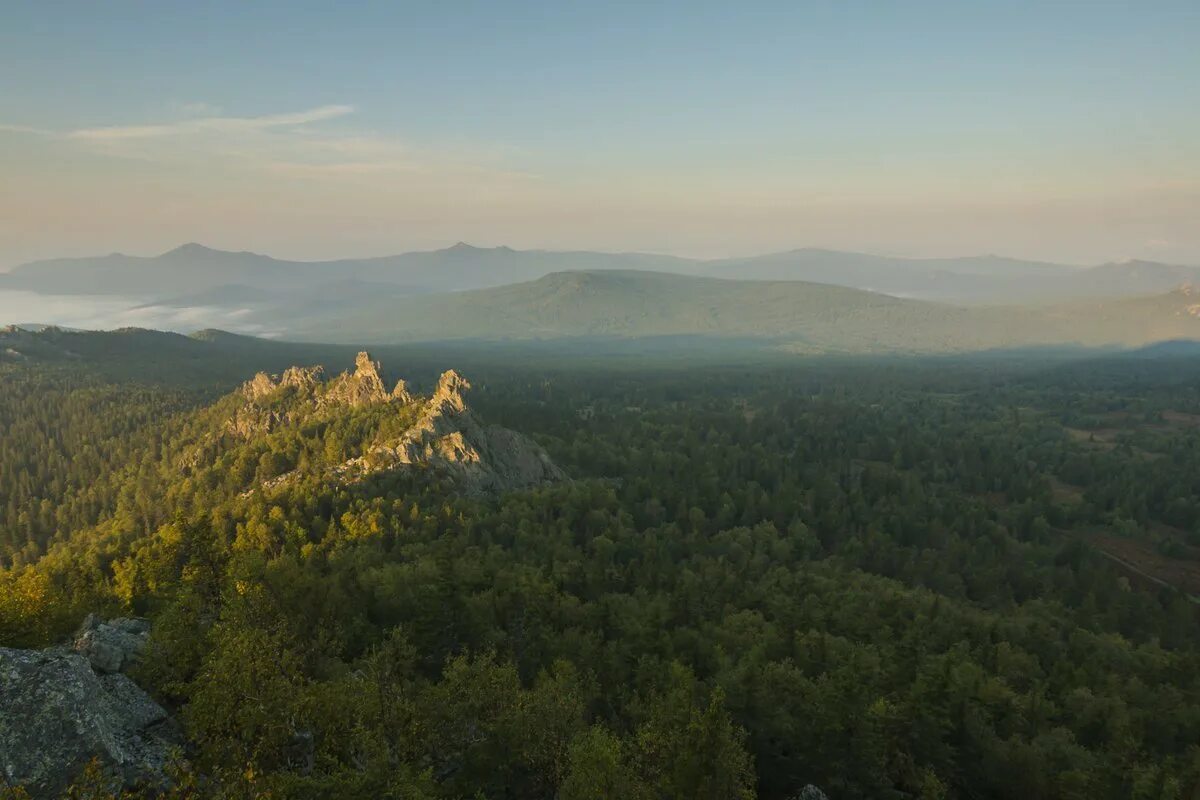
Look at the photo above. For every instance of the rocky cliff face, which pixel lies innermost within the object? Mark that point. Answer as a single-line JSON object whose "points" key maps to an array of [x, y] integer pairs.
{"points": [[362, 387], [60, 708], [301, 379], [447, 436], [450, 438], [308, 387]]}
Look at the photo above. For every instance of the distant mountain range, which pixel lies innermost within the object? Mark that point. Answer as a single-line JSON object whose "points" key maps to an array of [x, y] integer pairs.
{"points": [[198, 275], [804, 300], [195, 269]]}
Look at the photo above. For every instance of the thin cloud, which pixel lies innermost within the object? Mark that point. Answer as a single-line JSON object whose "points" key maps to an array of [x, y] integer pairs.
{"points": [[197, 109], [4, 128], [211, 125], [297, 145]]}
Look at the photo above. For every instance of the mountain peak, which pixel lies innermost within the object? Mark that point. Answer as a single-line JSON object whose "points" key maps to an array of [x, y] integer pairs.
{"points": [[190, 250], [191, 247], [467, 249], [449, 395], [365, 366], [364, 386]]}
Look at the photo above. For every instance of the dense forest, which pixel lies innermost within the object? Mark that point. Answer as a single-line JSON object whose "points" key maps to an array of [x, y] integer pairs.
{"points": [[889, 578]]}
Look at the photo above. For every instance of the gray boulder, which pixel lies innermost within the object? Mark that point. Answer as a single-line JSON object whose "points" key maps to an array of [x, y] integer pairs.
{"points": [[57, 713], [112, 646], [811, 792]]}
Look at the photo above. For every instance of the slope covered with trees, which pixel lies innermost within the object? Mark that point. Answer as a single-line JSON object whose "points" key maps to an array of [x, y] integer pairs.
{"points": [[881, 578]]}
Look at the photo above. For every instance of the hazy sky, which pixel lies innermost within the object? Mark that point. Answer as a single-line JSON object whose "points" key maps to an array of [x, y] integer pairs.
{"points": [[1058, 130]]}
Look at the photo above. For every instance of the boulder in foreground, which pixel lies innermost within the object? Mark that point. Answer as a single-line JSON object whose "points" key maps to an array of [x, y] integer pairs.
{"points": [[59, 711]]}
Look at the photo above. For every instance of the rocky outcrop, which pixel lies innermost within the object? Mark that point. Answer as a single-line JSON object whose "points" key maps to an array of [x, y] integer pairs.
{"points": [[362, 387], [61, 708], [112, 646], [302, 379], [401, 394], [448, 437], [274, 400], [260, 414], [450, 395], [811, 792], [260, 386]]}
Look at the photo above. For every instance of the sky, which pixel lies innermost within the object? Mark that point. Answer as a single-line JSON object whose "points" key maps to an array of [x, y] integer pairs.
{"points": [[1066, 131]]}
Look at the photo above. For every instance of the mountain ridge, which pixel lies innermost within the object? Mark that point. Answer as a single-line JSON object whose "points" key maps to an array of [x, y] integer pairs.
{"points": [[195, 268]]}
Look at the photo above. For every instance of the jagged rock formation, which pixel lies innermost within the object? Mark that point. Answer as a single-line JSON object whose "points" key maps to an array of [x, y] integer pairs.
{"points": [[259, 415], [450, 438], [302, 379], [362, 387], [308, 386], [401, 393], [446, 436], [62, 707]]}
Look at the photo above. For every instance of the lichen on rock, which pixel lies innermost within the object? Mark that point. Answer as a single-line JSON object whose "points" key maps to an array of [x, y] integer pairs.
{"points": [[61, 708], [111, 646]]}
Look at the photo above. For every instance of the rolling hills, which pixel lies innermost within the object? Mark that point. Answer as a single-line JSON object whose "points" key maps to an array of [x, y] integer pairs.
{"points": [[606, 306], [203, 275], [796, 314]]}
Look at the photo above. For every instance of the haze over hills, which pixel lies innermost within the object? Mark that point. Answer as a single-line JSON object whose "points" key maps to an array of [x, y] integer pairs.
{"points": [[808, 300], [192, 273], [587, 310], [971, 279], [803, 315]]}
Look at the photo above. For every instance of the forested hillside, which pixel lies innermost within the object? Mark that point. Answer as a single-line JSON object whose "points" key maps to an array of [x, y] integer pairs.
{"points": [[895, 578], [790, 315]]}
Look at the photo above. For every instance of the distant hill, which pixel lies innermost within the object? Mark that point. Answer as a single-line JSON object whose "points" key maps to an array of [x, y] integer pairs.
{"points": [[974, 280], [198, 275], [629, 312], [800, 315]]}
